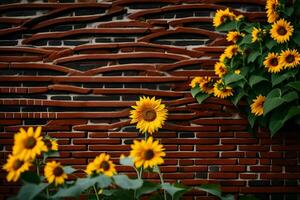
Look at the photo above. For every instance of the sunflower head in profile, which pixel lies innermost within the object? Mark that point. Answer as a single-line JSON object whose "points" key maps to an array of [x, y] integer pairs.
{"points": [[101, 164], [222, 16], [257, 34], [272, 63], [149, 114], [232, 50], [289, 58], [221, 90], [15, 167], [222, 58], [29, 144], [51, 144], [195, 82], [233, 36], [207, 84], [54, 173], [147, 153], [281, 31], [220, 69], [271, 6], [257, 107]]}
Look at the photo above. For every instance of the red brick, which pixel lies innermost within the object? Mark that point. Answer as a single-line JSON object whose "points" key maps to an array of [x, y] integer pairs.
{"points": [[239, 141], [183, 162], [259, 168], [253, 148], [96, 141], [193, 169], [191, 155], [230, 168], [232, 154], [247, 161], [222, 175], [249, 176], [215, 147], [216, 162], [186, 148]]}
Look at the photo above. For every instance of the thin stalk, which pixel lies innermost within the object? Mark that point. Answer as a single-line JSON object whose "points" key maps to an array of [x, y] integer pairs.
{"points": [[162, 182], [96, 193], [37, 167], [47, 192]]}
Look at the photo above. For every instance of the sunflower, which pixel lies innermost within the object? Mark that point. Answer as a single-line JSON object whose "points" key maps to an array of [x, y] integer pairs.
{"points": [[222, 16], [257, 107], [147, 153], [257, 34], [221, 90], [271, 6], [220, 69], [289, 58], [237, 71], [281, 31], [15, 167], [101, 164], [54, 172], [233, 36], [149, 114], [222, 58], [51, 144], [232, 50], [195, 82], [207, 85], [272, 63], [29, 144]]}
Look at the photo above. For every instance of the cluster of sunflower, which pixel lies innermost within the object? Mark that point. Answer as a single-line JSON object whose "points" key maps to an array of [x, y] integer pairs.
{"points": [[260, 66], [31, 151]]}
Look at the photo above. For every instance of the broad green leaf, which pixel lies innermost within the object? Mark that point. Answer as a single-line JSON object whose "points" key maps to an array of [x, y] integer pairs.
{"points": [[274, 93], [148, 187], [230, 78], [251, 118], [247, 39], [270, 43], [50, 154], [236, 98], [121, 194], [255, 79], [30, 177], [172, 189], [291, 96], [69, 169], [252, 56], [293, 111], [279, 78], [227, 26], [72, 191], [201, 97], [126, 183], [196, 90], [276, 122], [102, 181], [295, 85], [289, 11], [272, 103], [296, 36], [30, 191], [127, 161], [213, 189]]}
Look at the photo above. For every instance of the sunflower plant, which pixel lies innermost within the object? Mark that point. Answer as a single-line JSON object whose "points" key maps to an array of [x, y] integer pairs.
{"points": [[33, 162], [259, 67]]}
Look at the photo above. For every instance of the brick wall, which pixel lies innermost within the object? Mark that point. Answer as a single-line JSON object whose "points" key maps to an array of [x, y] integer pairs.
{"points": [[76, 68]]}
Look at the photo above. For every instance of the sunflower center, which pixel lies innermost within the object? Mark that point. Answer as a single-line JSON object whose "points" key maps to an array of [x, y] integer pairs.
{"points": [[224, 18], [17, 164], [48, 143], [234, 51], [290, 58], [104, 165], [58, 171], [274, 62], [149, 115], [149, 154], [281, 30], [30, 143]]}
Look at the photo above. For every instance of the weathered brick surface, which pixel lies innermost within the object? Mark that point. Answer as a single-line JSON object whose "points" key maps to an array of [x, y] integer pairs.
{"points": [[76, 68]]}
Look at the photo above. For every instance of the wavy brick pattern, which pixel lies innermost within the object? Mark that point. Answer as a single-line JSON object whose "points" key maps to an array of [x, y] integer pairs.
{"points": [[76, 68]]}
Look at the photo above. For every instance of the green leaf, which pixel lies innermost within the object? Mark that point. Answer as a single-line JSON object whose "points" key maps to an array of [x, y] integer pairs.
{"points": [[247, 39], [147, 188], [255, 79], [270, 43], [231, 78], [296, 37], [172, 189], [278, 78], [293, 111], [126, 183], [252, 56], [213, 189], [276, 122], [289, 11], [295, 85], [102, 181], [50, 154], [69, 169], [274, 93], [236, 98], [196, 90], [227, 26], [251, 118], [272, 103], [72, 191], [227, 197], [127, 161], [201, 97], [30, 177], [291, 96], [30, 191]]}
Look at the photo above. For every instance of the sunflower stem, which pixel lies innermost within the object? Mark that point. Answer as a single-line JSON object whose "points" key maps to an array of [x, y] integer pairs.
{"points": [[162, 182], [37, 166], [96, 193], [146, 136], [47, 192]]}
